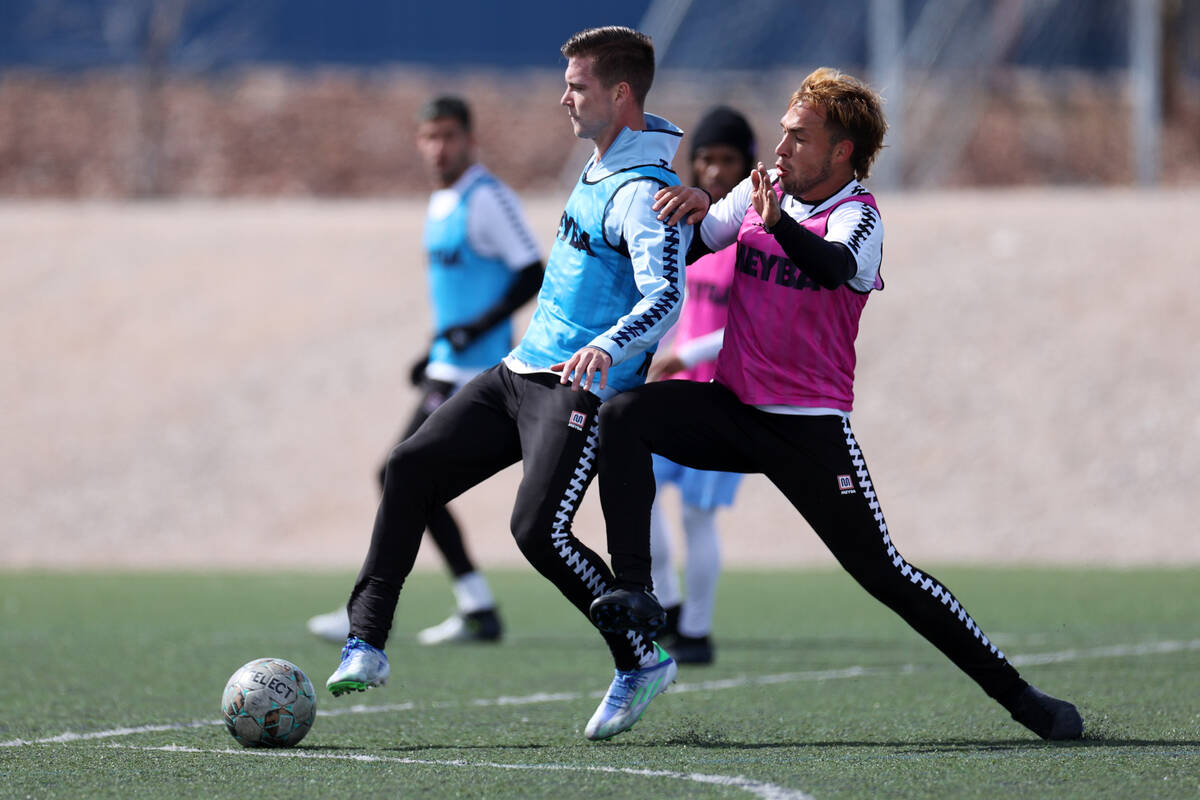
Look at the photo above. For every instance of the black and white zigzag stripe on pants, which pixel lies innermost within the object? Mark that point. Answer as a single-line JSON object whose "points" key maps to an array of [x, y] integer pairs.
{"points": [[494, 421]]}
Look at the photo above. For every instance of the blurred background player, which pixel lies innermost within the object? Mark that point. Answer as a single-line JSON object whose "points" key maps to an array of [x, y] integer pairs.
{"points": [[484, 264], [722, 153]]}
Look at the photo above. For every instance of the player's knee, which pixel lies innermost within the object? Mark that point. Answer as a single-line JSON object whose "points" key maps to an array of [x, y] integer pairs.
{"points": [[533, 531], [534, 545], [619, 416], [405, 472], [524, 524], [883, 583]]}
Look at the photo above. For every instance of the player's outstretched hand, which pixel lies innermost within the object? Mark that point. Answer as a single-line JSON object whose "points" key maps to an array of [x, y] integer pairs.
{"points": [[580, 370], [674, 203], [766, 202]]}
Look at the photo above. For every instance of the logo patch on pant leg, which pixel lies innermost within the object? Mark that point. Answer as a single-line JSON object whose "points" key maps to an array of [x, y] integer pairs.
{"points": [[577, 420], [433, 401], [845, 484]]}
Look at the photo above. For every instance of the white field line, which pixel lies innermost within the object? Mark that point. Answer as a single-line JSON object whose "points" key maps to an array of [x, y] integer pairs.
{"points": [[766, 791], [1112, 651]]}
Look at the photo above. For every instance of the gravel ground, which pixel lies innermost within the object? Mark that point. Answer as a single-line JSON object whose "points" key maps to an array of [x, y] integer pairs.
{"points": [[195, 384]]}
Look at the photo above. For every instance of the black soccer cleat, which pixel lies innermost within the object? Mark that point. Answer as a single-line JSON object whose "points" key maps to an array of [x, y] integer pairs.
{"points": [[628, 608], [692, 649], [1048, 717], [670, 628]]}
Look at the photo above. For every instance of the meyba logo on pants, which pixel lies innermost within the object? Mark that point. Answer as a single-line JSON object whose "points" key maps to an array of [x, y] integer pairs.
{"points": [[577, 420], [846, 484]]}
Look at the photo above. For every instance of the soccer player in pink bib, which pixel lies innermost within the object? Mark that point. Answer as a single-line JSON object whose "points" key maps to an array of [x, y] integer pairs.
{"points": [[809, 246]]}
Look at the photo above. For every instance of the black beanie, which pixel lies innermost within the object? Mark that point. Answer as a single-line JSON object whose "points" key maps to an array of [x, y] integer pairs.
{"points": [[723, 125]]}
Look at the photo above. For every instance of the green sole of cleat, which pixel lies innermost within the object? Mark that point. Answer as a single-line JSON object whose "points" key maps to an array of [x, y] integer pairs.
{"points": [[342, 687]]}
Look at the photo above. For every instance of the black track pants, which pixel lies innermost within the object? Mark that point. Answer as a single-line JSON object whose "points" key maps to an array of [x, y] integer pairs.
{"points": [[817, 464], [497, 419], [443, 528]]}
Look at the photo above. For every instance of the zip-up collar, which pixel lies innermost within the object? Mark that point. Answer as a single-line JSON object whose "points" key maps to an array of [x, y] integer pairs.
{"points": [[655, 145]]}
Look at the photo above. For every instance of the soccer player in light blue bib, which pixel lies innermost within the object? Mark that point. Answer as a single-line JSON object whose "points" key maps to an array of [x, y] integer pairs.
{"points": [[613, 285], [483, 264]]}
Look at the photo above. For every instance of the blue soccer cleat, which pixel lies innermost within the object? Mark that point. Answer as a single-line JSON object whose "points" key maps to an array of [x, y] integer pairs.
{"points": [[629, 695], [362, 667]]}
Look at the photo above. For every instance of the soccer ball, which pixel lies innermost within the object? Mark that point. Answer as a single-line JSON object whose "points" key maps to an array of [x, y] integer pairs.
{"points": [[268, 702]]}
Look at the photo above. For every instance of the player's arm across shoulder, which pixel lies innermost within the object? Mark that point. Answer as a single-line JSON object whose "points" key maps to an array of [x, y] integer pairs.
{"points": [[498, 228], [720, 227], [859, 227]]}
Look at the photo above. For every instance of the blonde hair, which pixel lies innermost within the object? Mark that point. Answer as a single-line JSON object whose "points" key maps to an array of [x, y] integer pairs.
{"points": [[852, 111]]}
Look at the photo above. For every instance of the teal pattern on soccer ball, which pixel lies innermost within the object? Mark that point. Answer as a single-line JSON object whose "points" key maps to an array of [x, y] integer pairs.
{"points": [[268, 702]]}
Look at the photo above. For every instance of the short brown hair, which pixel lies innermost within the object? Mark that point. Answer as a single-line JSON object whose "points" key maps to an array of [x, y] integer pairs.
{"points": [[447, 106], [618, 54], [852, 111]]}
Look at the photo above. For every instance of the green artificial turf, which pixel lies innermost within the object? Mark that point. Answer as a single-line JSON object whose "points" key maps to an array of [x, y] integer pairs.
{"points": [[110, 687]]}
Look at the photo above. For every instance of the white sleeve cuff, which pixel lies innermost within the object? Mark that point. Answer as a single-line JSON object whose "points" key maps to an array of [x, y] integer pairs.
{"points": [[702, 349]]}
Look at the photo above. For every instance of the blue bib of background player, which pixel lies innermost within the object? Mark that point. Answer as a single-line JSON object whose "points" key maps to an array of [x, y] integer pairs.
{"points": [[463, 285]]}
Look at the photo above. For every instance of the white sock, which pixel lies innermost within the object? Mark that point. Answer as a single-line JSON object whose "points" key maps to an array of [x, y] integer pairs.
{"points": [[701, 571], [472, 593], [666, 582]]}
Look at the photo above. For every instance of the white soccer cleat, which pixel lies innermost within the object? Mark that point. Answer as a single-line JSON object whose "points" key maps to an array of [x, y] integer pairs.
{"points": [[477, 626], [629, 695], [362, 667], [450, 629], [332, 627]]}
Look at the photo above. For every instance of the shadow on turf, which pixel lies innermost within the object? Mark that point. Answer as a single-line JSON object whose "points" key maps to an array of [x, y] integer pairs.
{"points": [[782, 643], [417, 748], [954, 746], [715, 743], [950, 745]]}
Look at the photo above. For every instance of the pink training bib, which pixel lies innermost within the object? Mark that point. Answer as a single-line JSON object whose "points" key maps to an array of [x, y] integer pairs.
{"points": [[708, 283], [787, 340]]}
